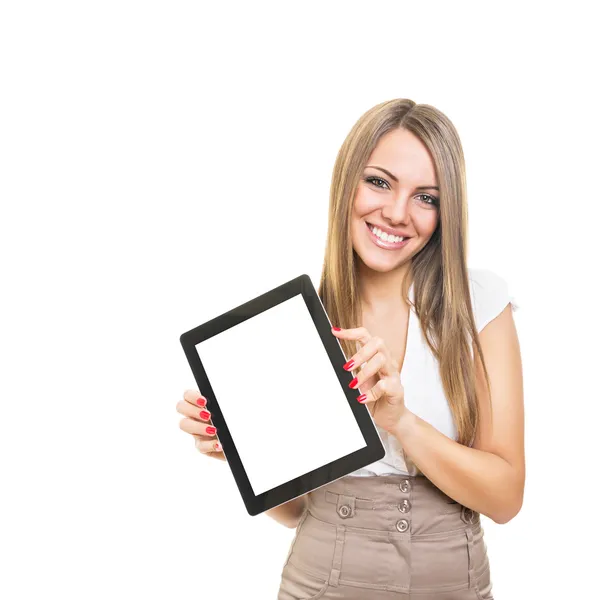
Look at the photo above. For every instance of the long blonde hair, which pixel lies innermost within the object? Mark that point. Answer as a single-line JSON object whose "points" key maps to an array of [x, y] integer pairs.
{"points": [[438, 271]]}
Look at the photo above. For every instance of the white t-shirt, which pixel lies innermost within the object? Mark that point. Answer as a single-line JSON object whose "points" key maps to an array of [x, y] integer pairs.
{"points": [[423, 391]]}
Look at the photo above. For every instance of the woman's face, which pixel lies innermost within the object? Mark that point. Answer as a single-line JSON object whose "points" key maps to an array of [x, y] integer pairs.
{"points": [[397, 193]]}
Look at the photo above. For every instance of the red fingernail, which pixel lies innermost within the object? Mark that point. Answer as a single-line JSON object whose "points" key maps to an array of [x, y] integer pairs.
{"points": [[218, 446], [336, 329], [353, 383], [362, 398], [204, 415], [201, 402], [211, 430], [349, 365]]}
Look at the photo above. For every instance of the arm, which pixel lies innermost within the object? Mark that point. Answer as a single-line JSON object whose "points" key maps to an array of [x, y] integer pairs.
{"points": [[489, 477], [290, 513]]}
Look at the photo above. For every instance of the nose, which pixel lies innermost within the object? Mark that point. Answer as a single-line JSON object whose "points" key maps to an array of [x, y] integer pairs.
{"points": [[398, 210]]}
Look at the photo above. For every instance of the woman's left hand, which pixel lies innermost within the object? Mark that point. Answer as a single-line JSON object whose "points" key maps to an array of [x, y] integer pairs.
{"points": [[387, 395]]}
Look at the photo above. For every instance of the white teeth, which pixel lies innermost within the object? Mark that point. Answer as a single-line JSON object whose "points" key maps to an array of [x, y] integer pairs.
{"points": [[385, 237]]}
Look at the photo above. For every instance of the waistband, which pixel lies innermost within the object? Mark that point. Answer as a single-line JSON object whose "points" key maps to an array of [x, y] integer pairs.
{"points": [[401, 504]]}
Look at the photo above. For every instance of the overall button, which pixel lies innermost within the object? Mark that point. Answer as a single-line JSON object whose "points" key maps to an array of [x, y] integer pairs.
{"points": [[404, 506], [405, 485], [468, 515], [402, 525], [344, 511]]}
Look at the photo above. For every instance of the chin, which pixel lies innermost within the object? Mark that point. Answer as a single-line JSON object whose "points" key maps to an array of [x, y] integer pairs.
{"points": [[379, 265]]}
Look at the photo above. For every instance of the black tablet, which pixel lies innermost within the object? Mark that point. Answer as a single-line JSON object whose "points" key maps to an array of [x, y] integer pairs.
{"points": [[278, 394]]}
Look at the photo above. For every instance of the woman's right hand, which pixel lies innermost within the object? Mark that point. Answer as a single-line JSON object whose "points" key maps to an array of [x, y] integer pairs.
{"points": [[197, 423]]}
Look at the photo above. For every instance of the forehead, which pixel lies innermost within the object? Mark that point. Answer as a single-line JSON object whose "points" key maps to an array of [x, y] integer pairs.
{"points": [[403, 154]]}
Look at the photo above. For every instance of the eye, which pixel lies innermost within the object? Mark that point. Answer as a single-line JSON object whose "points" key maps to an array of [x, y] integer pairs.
{"points": [[433, 200], [373, 179]]}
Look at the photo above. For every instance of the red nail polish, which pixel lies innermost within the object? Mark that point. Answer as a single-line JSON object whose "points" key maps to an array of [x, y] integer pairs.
{"points": [[362, 398], [353, 383], [204, 415], [336, 329], [218, 446], [349, 365], [211, 430], [201, 402]]}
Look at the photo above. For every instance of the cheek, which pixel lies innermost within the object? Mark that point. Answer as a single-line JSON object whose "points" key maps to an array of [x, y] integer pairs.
{"points": [[427, 223], [364, 202]]}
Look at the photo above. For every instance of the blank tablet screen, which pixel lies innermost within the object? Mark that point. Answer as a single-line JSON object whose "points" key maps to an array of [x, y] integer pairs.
{"points": [[279, 394]]}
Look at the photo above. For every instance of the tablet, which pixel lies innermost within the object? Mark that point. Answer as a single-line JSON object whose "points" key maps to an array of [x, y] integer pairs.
{"points": [[272, 372]]}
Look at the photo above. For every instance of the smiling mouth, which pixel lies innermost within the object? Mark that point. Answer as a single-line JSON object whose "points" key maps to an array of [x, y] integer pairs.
{"points": [[385, 240]]}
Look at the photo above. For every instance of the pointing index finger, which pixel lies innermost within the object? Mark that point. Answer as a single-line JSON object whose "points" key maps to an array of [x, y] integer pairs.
{"points": [[358, 333]]}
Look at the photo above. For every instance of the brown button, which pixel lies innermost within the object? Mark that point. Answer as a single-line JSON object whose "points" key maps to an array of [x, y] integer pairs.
{"points": [[402, 525], [405, 486], [344, 511], [469, 515], [404, 506]]}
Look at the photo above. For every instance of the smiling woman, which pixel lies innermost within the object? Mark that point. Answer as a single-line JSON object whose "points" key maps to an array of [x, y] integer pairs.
{"points": [[447, 401], [395, 208]]}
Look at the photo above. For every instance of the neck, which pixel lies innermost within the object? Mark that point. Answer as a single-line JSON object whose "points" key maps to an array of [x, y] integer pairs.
{"points": [[381, 293]]}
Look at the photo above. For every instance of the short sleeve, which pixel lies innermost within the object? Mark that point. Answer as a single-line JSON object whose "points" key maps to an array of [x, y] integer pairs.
{"points": [[490, 294]]}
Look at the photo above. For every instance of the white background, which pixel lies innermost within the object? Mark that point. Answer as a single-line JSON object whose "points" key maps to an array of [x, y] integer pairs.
{"points": [[161, 162]]}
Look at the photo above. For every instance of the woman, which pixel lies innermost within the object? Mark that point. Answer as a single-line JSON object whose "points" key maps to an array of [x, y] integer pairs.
{"points": [[435, 353]]}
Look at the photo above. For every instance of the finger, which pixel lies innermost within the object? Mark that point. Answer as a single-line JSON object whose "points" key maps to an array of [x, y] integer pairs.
{"points": [[358, 333], [389, 367], [368, 351], [206, 445], [373, 394], [210, 447], [193, 412], [197, 428], [367, 400], [389, 388], [195, 397], [372, 367]]}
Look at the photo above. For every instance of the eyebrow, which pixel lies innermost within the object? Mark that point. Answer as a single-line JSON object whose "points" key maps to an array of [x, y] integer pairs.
{"points": [[420, 187]]}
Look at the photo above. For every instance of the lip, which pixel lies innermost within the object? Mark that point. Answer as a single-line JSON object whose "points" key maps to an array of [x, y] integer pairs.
{"points": [[386, 245], [389, 231]]}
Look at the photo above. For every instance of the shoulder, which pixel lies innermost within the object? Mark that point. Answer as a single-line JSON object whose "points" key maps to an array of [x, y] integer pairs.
{"points": [[490, 293]]}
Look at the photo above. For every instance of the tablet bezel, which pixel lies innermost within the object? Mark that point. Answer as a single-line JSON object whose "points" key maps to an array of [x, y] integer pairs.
{"points": [[372, 452]]}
